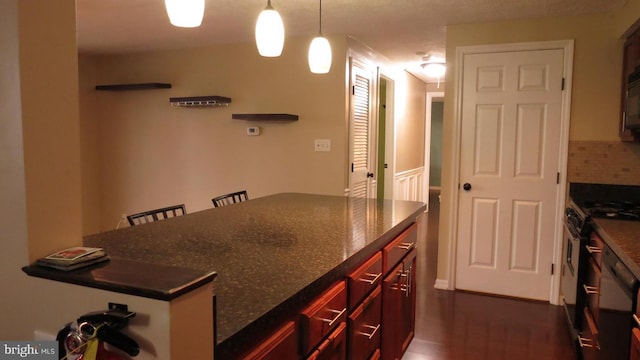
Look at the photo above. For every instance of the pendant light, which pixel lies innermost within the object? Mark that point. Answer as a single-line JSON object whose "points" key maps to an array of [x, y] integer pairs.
{"points": [[269, 32], [185, 13], [320, 52]]}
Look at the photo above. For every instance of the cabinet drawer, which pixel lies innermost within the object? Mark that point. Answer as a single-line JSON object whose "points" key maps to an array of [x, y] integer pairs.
{"points": [[365, 327], [363, 279], [322, 316], [334, 347], [588, 338], [399, 247], [282, 345], [595, 247], [591, 288]]}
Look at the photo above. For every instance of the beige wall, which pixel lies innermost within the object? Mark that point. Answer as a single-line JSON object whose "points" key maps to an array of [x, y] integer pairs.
{"points": [[596, 81], [151, 155], [49, 92], [140, 153]]}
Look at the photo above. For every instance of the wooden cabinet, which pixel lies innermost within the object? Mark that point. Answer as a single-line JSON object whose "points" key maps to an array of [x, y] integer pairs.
{"points": [[365, 327], [634, 353], [398, 313], [399, 247], [364, 279], [590, 288], [321, 317], [334, 347], [635, 344], [588, 338], [631, 60], [282, 345], [353, 318]]}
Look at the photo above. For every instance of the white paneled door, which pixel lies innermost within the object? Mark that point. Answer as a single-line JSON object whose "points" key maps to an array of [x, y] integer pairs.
{"points": [[509, 161], [362, 144]]}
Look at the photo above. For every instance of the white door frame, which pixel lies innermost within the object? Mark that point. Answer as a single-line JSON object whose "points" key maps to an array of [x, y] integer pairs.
{"points": [[431, 96], [568, 47], [390, 133]]}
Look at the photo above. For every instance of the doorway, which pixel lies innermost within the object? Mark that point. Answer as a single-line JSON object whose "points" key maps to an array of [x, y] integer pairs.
{"points": [[385, 158], [433, 143]]}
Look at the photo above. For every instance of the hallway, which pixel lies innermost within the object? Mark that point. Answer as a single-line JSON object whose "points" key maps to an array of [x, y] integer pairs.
{"points": [[452, 325]]}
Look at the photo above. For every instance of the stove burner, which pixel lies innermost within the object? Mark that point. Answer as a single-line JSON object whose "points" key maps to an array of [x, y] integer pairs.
{"points": [[620, 210]]}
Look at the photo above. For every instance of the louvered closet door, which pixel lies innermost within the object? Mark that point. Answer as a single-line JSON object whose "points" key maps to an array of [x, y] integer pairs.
{"points": [[362, 145]]}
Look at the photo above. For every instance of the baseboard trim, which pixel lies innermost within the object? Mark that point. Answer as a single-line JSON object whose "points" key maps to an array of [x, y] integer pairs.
{"points": [[441, 284]]}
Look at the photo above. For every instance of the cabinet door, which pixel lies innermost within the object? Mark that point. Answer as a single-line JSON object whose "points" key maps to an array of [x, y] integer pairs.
{"points": [[282, 345], [407, 308], [391, 299], [631, 58], [635, 344], [398, 308], [364, 327], [334, 347]]}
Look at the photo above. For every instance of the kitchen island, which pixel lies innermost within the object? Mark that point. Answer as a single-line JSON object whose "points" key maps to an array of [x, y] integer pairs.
{"points": [[271, 255]]}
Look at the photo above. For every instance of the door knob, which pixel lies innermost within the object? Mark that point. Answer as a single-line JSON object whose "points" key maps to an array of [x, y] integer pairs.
{"points": [[466, 186], [369, 175]]}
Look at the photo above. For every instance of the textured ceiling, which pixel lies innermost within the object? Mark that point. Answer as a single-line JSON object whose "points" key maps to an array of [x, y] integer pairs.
{"points": [[397, 29]]}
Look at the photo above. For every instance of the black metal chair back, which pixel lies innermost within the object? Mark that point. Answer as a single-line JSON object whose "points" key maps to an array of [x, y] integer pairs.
{"points": [[157, 214], [231, 198]]}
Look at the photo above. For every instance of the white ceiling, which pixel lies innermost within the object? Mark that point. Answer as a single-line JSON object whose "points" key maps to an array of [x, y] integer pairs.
{"points": [[397, 29]]}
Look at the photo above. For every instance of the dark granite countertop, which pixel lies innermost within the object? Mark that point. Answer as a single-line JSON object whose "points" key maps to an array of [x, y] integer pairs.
{"points": [[270, 254], [623, 237]]}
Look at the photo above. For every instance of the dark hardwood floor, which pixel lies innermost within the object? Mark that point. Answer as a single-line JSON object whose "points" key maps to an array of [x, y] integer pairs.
{"points": [[461, 325]]}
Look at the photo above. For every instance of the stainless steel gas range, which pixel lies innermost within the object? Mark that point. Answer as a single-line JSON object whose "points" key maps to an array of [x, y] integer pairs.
{"points": [[594, 280]]}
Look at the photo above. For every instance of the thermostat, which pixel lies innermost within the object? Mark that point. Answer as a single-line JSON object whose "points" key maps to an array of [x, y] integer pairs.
{"points": [[253, 131]]}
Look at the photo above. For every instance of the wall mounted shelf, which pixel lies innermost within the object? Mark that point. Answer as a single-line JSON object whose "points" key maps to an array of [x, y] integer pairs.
{"points": [[200, 101], [265, 117], [140, 86]]}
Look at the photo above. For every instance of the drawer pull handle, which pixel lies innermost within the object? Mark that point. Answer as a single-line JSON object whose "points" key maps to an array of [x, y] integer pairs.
{"points": [[405, 246], [635, 318], [593, 249], [338, 315], [585, 342], [374, 278], [590, 289], [372, 334]]}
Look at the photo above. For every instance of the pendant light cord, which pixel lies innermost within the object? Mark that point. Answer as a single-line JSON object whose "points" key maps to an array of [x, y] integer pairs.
{"points": [[320, 16]]}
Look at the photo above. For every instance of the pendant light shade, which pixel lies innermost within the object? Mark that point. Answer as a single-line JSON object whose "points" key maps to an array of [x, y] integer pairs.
{"points": [[269, 32], [320, 55], [185, 13], [320, 51]]}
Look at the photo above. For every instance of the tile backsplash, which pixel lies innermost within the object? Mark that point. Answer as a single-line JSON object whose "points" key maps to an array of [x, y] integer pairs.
{"points": [[604, 162]]}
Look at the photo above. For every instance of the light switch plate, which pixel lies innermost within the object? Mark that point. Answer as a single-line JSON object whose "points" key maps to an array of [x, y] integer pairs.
{"points": [[322, 145]]}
